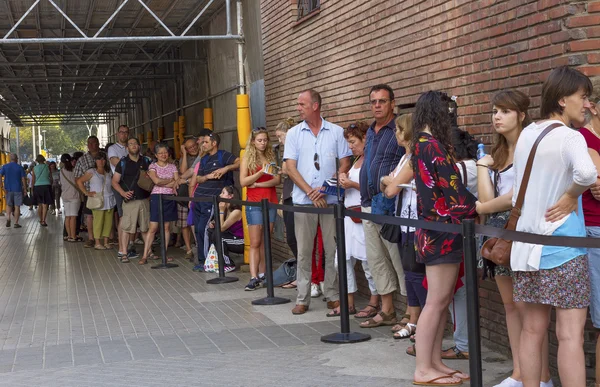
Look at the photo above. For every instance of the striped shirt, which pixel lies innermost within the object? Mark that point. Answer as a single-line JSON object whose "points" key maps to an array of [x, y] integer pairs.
{"points": [[382, 155]]}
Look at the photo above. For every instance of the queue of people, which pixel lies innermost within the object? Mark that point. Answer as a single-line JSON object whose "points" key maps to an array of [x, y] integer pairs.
{"points": [[413, 166]]}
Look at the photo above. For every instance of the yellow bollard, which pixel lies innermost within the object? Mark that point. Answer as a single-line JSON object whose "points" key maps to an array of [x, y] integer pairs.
{"points": [[161, 134], [244, 130], [208, 118], [141, 139], [176, 144]]}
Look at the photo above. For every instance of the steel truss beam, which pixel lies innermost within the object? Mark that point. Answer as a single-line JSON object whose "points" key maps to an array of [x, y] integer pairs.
{"points": [[100, 62], [96, 38]]}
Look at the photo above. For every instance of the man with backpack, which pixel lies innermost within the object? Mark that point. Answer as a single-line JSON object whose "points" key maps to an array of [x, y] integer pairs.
{"points": [[211, 175], [136, 207]]}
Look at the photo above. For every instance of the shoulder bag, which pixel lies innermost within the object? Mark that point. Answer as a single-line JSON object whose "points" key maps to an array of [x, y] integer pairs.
{"points": [[96, 202], [498, 250], [145, 182]]}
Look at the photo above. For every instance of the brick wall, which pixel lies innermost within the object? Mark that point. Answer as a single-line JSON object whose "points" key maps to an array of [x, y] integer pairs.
{"points": [[468, 48]]}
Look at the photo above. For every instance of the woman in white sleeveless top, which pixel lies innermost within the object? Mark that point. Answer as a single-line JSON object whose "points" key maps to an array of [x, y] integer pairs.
{"points": [[355, 134]]}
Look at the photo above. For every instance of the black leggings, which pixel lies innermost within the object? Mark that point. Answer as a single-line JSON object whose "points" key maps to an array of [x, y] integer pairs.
{"points": [[231, 243]]}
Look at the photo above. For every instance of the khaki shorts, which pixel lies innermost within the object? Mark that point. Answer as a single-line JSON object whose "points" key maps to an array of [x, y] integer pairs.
{"points": [[135, 212]]}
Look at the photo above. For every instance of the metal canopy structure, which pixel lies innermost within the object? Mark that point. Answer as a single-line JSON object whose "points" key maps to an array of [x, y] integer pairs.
{"points": [[84, 61]]}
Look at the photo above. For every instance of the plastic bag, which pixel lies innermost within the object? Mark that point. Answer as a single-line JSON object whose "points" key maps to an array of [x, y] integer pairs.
{"points": [[211, 265]]}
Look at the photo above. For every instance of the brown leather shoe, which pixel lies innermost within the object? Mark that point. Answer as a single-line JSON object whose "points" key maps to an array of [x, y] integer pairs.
{"points": [[332, 304], [300, 309]]}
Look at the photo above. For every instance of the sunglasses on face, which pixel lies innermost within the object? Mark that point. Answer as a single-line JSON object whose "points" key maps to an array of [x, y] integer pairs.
{"points": [[379, 101]]}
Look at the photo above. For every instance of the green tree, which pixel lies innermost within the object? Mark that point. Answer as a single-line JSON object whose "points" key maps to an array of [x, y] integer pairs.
{"points": [[59, 140]]}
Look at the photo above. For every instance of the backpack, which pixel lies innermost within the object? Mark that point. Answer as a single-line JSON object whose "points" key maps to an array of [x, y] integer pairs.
{"points": [[228, 177]]}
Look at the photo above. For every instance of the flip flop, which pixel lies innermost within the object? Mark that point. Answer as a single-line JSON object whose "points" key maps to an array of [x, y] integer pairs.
{"points": [[411, 351], [289, 286], [459, 372], [433, 382]]}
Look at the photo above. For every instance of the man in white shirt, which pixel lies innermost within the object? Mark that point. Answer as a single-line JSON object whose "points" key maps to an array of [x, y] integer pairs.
{"points": [[115, 153]]}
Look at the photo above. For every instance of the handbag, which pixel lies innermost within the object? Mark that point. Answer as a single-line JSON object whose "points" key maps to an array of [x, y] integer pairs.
{"points": [[355, 209], [96, 202], [145, 182], [498, 250], [392, 232]]}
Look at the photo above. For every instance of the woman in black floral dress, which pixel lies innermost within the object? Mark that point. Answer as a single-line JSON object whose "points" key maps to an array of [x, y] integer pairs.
{"points": [[442, 197]]}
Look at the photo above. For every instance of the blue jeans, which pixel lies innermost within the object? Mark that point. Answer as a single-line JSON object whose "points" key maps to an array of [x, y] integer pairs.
{"points": [[594, 268], [458, 310], [202, 214]]}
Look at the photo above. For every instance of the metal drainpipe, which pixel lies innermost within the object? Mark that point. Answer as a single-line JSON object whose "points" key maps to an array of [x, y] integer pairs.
{"points": [[241, 81]]}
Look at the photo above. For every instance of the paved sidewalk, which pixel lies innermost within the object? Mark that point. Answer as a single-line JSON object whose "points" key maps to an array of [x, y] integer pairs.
{"points": [[77, 317]]}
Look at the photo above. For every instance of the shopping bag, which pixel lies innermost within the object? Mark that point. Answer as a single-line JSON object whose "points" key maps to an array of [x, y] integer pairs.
{"points": [[211, 265]]}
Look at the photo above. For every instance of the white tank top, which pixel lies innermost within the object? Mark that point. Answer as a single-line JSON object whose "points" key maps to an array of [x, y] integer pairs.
{"points": [[351, 195]]}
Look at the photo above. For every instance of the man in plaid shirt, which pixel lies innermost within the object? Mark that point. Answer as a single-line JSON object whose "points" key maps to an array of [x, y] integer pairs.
{"points": [[85, 163]]}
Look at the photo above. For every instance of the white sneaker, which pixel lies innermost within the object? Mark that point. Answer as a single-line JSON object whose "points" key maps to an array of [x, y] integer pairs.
{"points": [[509, 382], [547, 384], [314, 290]]}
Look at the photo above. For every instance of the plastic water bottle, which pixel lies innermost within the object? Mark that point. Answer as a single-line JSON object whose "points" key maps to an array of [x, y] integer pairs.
{"points": [[480, 151]]}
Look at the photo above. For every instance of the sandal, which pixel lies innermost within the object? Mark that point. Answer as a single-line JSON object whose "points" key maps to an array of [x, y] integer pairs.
{"points": [[334, 313], [386, 319], [291, 285], [170, 259], [454, 353], [124, 259], [364, 313], [100, 247], [65, 238], [406, 332], [72, 240], [401, 324], [143, 261], [434, 382], [412, 350], [153, 257]]}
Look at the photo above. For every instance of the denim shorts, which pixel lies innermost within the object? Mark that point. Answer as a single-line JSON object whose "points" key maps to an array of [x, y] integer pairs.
{"points": [[254, 215], [594, 269]]}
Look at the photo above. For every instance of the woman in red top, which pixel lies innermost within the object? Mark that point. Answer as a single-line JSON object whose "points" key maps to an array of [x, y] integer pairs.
{"points": [[258, 173]]}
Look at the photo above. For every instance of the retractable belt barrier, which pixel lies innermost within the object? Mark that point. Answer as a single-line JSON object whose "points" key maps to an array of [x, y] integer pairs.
{"points": [[468, 229]]}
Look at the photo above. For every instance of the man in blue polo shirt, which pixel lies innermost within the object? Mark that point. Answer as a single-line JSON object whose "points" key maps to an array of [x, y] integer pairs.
{"points": [[382, 155], [14, 187], [311, 149], [215, 171]]}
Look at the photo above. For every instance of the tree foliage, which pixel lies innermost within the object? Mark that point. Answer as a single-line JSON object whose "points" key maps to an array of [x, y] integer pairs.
{"points": [[59, 140]]}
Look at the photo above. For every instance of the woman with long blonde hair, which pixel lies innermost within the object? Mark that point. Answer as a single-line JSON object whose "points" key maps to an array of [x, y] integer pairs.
{"points": [[258, 173]]}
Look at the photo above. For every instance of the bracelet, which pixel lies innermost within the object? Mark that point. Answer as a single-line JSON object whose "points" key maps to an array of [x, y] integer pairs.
{"points": [[481, 165], [221, 213]]}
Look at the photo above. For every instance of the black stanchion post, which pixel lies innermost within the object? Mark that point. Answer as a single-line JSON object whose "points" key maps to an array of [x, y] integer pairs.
{"points": [[163, 243], [221, 279], [345, 336], [469, 245], [270, 299]]}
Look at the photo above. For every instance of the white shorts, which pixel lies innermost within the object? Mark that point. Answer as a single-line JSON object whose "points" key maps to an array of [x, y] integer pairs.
{"points": [[71, 208]]}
